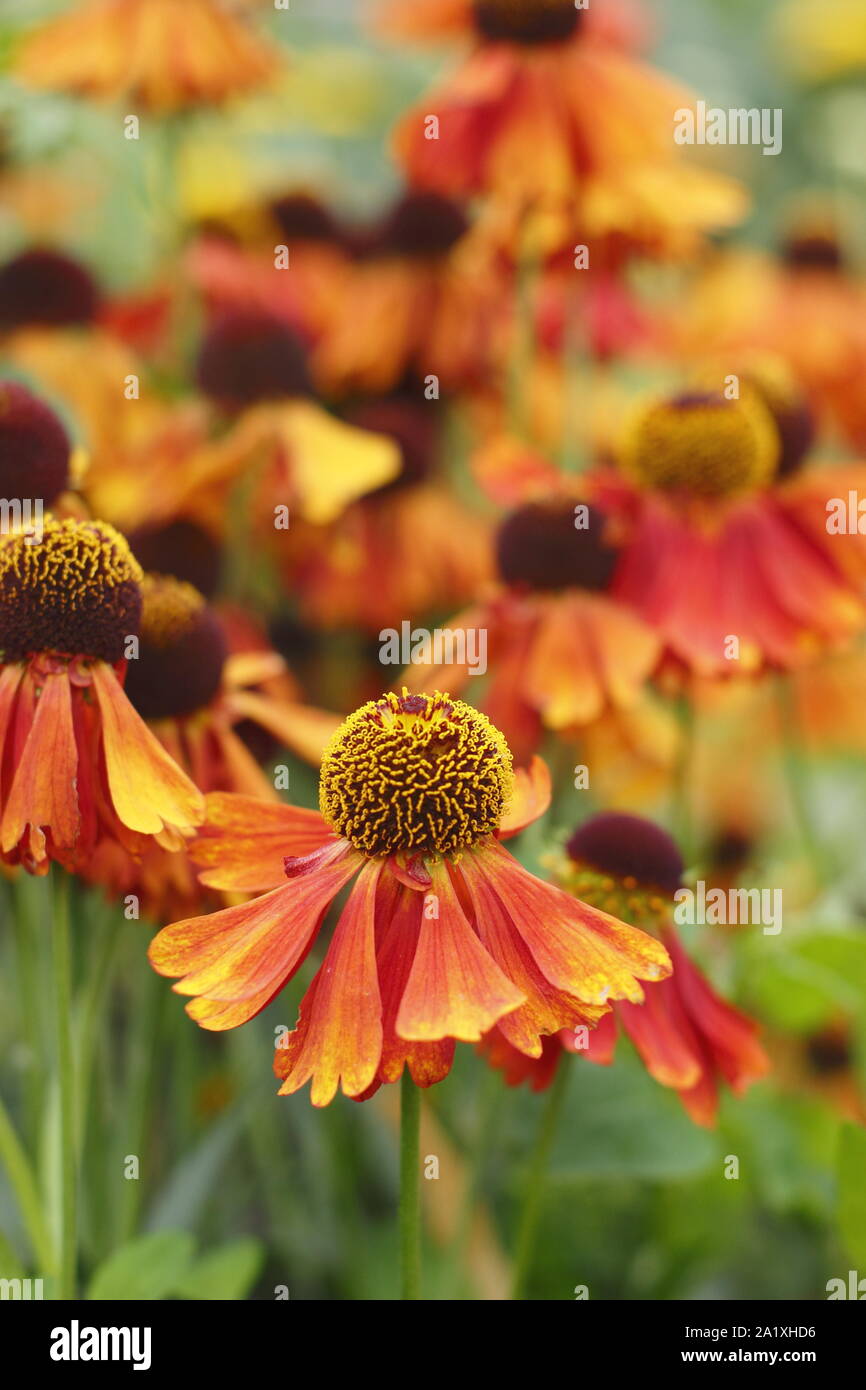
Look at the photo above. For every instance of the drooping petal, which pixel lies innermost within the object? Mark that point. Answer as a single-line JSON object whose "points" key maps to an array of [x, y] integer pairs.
{"points": [[580, 950], [398, 927], [148, 789], [339, 1032], [43, 795], [244, 955], [545, 1009], [358, 461], [730, 1037], [664, 1037], [302, 728], [455, 989], [529, 800]]}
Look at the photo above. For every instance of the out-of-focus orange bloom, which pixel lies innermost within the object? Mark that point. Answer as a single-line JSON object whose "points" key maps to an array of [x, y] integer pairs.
{"points": [[551, 118], [200, 699], [298, 271], [424, 290], [717, 557], [804, 306], [688, 1037], [405, 550], [561, 652], [156, 54], [77, 763]]}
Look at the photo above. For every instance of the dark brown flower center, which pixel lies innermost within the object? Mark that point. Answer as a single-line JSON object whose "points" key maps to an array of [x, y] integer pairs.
{"points": [[555, 545], [34, 447], [45, 287], [249, 356], [301, 217], [527, 21], [182, 549], [182, 651], [422, 224], [628, 848]]}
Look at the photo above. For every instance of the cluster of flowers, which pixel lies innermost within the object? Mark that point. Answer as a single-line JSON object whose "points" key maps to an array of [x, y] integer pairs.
{"points": [[689, 554]]}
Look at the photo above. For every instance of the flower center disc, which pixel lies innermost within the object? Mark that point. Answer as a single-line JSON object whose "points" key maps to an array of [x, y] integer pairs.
{"points": [[34, 447], [419, 773], [555, 545], [247, 356], [702, 444], [422, 224], [45, 287], [75, 592], [181, 653], [624, 865], [527, 21]]}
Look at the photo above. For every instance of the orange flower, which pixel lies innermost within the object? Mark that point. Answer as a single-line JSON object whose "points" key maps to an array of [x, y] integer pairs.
{"points": [[807, 306], [410, 546], [441, 936], [553, 119], [157, 54], [199, 699], [717, 553], [562, 653], [424, 291], [194, 693], [233, 274], [76, 762], [688, 1037], [34, 450]]}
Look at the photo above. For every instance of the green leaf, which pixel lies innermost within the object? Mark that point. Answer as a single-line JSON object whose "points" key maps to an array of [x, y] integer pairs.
{"points": [[227, 1273], [147, 1268], [852, 1191], [621, 1123]]}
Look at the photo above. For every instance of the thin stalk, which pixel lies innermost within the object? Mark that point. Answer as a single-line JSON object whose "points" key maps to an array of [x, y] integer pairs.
{"points": [[26, 1189], [410, 1188], [530, 1216], [62, 963]]}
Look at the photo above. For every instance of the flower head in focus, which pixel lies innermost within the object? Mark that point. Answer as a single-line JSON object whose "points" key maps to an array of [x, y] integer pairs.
{"points": [[443, 934]]}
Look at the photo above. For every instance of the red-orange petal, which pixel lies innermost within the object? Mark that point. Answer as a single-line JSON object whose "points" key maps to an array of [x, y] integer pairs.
{"points": [[43, 794], [243, 842], [579, 949], [339, 1032], [148, 790], [455, 989], [244, 955], [530, 798]]}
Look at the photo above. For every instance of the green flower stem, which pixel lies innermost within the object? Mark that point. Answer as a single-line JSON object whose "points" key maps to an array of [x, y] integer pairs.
{"points": [[26, 1189], [797, 776], [410, 1188], [62, 963], [534, 1191]]}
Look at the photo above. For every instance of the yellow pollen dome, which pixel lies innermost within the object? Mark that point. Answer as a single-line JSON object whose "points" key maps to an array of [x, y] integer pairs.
{"points": [[420, 773], [701, 444], [170, 609], [76, 591]]}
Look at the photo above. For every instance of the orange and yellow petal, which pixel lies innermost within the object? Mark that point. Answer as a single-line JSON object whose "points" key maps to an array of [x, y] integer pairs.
{"points": [[148, 790], [338, 1039]]}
